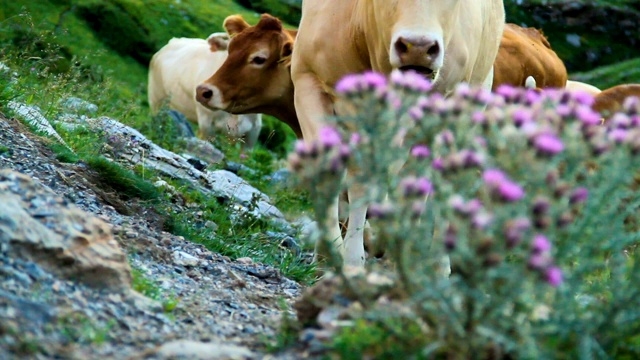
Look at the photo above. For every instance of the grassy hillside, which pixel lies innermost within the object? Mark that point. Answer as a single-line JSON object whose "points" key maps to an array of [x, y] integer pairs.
{"points": [[611, 75], [110, 43]]}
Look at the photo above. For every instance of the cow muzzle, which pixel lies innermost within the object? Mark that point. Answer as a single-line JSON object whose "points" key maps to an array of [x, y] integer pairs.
{"points": [[421, 53], [210, 96]]}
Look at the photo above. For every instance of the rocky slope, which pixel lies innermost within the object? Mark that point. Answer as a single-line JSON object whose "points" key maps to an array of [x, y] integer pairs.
{"points": [[65, 289]]}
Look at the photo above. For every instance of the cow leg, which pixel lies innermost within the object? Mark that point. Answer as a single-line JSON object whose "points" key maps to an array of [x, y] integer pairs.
{"points": [[354, 240], [488, 81], [205, 122], [312, 106], [251, 137]]}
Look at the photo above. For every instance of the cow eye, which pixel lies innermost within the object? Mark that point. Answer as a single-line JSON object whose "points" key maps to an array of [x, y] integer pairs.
{"points": [[258, 60]]}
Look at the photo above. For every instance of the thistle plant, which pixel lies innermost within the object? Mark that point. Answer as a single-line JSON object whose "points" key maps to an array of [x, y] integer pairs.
{"points": [[529, 194]]}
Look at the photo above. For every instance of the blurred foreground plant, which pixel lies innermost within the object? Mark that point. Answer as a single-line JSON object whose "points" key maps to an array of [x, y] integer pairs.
{"points": [[532, 198]]}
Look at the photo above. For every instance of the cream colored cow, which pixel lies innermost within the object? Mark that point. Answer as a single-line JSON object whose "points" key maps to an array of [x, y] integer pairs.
{"points": [[178, 68], [450, 41]]}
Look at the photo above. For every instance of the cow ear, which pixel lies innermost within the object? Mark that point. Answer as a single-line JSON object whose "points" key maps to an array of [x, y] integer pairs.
{"points": [[268, 22], [287, 49], [218, 41], [234, 24]]}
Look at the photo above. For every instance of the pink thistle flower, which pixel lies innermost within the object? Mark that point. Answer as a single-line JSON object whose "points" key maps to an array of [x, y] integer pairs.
{"points": [[355, 139], [348, 84], [554, 276], [563, 110], [301, 147], [579, 195], [416, 113], [437, 164], [484, 96], [481, 220], [507, 91], [493, 177], [510, 191], [618, 135], [549, 144], [587, 116], [445, 137], [374, 80], [471, 158], [539, 261], [380, 211], [423, 186], [582, 97], [457, 202], [521, 116], [472, 206], [540, 206], [420, 152], [631, 104], [540, 244], [423, 102], [345, 152], [532, 97], [514, 230], [479, 117], [463, 90], [329, 136], [480, 141], [620, 121]]}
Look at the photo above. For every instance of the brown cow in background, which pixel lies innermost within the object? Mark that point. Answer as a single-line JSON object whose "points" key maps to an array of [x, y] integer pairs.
{"points": [[526, 52]]}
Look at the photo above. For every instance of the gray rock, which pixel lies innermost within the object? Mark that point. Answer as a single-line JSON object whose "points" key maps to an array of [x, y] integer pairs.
{"points": [[203, 150], [76, 105], [236, 168], [280, 177], [68, 242], [33, 116], [184, 127], [189, 349], [138, 150], [184, 259]]}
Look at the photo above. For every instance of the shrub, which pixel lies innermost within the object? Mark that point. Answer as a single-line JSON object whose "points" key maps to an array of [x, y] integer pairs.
{"points": [[529, 195]]}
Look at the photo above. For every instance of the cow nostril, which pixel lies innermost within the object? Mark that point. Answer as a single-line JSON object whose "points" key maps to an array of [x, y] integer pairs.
{"points": [[207, 94], [433, 50], [401, 46]]}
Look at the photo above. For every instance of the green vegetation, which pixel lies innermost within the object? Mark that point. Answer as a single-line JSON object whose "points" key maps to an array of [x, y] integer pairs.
{"points": [[611, 75], [78, 328], [55, 55], [152, 290], [535, 208]]}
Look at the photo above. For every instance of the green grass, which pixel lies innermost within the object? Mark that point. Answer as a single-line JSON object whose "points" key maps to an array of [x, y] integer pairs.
{"points": [[78, 328], [152, 290], [605, 77], [117, 86], [239, 238]]}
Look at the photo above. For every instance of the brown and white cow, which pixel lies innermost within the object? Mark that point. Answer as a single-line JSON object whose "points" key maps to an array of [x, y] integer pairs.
{"points": [[256, 75], [174, 73], [526, 52], [383, 35], [611, 100], [573, 85]]}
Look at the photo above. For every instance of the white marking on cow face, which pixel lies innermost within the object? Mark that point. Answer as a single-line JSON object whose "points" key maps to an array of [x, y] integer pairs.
{"points": [[210, 96], [258, 59]]}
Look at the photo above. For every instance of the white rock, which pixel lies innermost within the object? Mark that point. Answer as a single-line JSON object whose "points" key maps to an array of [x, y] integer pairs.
{"points": [[194, 350], [182, 258]]}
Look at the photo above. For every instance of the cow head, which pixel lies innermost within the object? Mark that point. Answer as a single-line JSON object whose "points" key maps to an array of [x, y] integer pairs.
{"points": [[218, 41], [419, 33], [257, 71]]}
